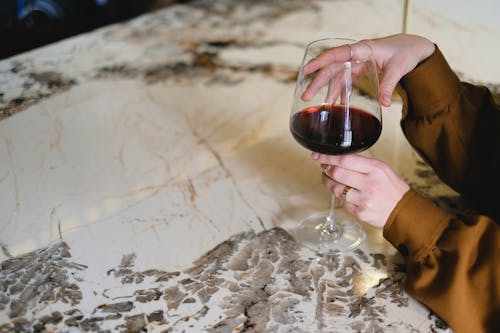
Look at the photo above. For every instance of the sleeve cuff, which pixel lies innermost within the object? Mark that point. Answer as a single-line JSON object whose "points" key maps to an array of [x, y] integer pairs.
{"points": [[431, 84], [415, 225]]}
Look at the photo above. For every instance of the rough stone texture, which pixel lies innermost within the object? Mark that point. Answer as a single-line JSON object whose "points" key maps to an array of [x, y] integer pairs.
{"points": [[250, 283]]}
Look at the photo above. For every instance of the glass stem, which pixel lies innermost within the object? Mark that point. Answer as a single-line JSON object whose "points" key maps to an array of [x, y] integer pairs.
{"points": [[330, 229]]}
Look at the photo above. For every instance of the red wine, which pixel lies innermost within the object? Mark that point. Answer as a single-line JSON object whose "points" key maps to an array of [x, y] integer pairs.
{"points": [[325, 129]]}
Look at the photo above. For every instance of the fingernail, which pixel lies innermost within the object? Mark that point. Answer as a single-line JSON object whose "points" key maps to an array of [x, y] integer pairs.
{"points": [[386, 100], [315, 155]]}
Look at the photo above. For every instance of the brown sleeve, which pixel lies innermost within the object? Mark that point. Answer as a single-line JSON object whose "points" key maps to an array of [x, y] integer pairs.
{"points": [[453, 266], [455, 127]]}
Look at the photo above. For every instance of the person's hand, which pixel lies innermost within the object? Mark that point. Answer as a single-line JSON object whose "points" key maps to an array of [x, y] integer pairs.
{"points": [[394, 55], [375, 188]]}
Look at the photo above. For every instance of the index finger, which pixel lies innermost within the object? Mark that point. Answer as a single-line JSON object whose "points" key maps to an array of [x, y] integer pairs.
{"points": [[336, 54], [323, 77]]}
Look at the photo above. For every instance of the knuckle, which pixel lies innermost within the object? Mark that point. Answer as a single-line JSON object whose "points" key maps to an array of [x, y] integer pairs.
{"points": [[377, 166], [338, 190], [371, 189], [344, 160], [327, 181], [335, 172]]}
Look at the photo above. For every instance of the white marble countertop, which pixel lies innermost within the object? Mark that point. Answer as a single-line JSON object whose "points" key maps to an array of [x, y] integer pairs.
{"points": [[147, 174]]}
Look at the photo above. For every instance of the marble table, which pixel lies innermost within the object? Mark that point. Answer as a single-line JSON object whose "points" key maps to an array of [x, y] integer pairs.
{"points": [[149, 182]]}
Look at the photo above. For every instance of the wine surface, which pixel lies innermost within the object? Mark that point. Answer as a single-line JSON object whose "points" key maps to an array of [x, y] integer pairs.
{"points": [[331, 129]]}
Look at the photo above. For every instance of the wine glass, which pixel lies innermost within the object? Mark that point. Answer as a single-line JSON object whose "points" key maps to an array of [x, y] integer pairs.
{"points": [[335, 111]]}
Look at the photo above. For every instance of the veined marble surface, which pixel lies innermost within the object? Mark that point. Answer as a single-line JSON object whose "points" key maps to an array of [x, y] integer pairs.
{"points": [[147, 174]]}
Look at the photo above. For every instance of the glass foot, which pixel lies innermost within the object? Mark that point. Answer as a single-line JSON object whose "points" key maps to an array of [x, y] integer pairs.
{"points": [[311, 233]]}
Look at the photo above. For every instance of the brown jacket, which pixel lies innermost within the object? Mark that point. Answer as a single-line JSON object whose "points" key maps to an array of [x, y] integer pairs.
{"points": [[453, 263]]}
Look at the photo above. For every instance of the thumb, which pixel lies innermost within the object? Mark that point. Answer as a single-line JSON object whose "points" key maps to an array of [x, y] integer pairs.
{"points": [[387, 85]]}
